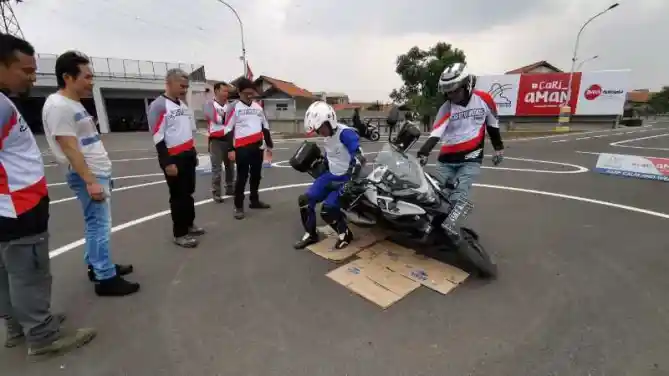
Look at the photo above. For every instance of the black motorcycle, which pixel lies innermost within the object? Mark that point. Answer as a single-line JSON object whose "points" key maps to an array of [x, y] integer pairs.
{"points": [[368, 131], [400, 196]]}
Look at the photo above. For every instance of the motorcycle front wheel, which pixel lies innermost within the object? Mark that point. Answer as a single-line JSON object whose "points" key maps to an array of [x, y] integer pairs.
{"points": [[473, 252]]}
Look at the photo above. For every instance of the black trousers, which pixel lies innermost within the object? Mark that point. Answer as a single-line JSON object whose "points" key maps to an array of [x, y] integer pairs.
{"points": [[249, 167], [182, 187]]}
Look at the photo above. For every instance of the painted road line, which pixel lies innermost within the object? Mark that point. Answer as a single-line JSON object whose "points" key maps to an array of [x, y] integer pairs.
{"points": [[115, 178], [583, 138], [560, 141], [113, 191], [620, 143], [68, 247]]}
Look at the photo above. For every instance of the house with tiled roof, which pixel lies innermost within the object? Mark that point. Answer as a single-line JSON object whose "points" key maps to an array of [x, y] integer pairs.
{"points": [[539, 67]]}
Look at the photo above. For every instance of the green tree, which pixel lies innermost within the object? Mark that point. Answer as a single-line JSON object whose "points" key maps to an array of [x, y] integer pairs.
{"points": [[659, 102], [420, 71]]}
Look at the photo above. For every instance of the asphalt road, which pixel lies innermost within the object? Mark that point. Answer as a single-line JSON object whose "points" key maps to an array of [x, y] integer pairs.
{"points": [[582, 287]]}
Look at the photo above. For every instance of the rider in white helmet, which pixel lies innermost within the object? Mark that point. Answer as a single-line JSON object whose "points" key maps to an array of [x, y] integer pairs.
{"points": [[343, 155], [461, 125]]}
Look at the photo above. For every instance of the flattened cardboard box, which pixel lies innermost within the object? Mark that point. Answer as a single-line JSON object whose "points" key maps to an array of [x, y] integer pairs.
{"points": [[373, 282], [363, 238], [427, 271]]}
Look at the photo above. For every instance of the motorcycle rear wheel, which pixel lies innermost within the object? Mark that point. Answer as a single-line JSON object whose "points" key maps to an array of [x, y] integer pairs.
{"points": [[375, 136], [473, 252]]}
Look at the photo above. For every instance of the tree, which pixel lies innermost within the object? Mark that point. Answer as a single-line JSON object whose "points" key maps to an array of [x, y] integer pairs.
{"points": [[420, 71], [659, 102]]}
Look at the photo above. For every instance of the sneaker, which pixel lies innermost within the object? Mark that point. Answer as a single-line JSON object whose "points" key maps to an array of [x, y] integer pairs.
{"points": [[120, 270], [196, 231], [344, 239], [307, 240], [238, 213], [116, 286], [186, 241], [218, 199], [259, 205], [64, 344], [14, 340]]}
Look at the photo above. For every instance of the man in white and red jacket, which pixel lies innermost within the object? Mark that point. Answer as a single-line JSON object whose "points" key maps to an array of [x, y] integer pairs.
{"points": [[219, 145], [248, 128]]}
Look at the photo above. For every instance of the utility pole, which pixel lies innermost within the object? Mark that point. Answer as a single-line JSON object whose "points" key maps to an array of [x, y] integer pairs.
{"points": [[9, 25]]}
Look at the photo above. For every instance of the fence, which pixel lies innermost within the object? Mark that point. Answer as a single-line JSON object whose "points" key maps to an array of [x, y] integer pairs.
{"points": [[122, 68]]}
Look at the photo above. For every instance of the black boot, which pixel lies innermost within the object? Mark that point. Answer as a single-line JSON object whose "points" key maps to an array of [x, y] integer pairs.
{"points": [[344, 239], [306, 240], [120, 270], [116, 286], [257, 204]]}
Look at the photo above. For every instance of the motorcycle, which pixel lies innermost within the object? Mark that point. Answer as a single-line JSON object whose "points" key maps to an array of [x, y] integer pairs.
{"points": [[400, 196], [370, 131]]}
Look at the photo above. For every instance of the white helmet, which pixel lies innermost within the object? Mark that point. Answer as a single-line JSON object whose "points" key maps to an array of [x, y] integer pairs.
{"points": [[318, 114], [454, 77]]}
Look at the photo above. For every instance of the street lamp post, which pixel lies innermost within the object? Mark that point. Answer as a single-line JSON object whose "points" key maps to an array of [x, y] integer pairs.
{"points": [[241, 28], [585, 61], [567, 108]]}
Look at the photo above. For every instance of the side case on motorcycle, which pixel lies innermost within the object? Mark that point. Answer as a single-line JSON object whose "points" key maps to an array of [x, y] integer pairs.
{"points": [[304, 158]]}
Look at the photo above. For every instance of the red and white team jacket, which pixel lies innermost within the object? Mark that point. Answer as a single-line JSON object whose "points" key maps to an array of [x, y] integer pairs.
{"points": [[214, 112], [462, 129], [24, 200], [246, 123], [172, 126]]}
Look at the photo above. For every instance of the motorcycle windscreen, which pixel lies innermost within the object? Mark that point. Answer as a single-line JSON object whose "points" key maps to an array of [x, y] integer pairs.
{"points": [[401, 171]]}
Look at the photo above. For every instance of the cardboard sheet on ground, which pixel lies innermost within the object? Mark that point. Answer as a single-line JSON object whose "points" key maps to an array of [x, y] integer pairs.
{"points": [[373, 282], [427, 271], [325, 248]]}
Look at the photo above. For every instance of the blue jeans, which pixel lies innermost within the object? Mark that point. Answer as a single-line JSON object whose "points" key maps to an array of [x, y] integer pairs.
{"points": [[97, 228], [461, 175]]}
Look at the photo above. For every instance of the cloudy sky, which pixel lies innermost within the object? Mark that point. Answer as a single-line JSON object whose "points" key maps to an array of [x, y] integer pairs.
{"points": [[350, 45]]}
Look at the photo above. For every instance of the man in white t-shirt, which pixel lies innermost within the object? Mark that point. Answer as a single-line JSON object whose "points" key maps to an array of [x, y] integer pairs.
{"points": [[75, 143]]}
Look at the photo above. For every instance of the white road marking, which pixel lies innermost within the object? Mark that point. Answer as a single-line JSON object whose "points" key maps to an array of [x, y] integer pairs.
{"points": [[560, 141], [114, 191], [68, 247], [579, 169], [583, 138], [620, 143], [587, 152], [114, 178]]}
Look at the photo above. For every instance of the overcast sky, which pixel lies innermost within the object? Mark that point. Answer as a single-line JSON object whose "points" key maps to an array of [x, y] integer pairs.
{"points": [[351, 45]]}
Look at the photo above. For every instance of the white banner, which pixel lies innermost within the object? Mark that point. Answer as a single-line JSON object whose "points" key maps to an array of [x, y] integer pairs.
{"points": [[633, 166], [503, 89], [603, 93]]}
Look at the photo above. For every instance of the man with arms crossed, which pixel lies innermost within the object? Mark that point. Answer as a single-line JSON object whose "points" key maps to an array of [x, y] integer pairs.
{"points": [[172, 126], [219, 145], [76, 145], [25, 275]]}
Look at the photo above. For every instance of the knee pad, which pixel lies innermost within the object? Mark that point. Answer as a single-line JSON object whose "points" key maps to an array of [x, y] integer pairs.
{"points": [[303, 200]]}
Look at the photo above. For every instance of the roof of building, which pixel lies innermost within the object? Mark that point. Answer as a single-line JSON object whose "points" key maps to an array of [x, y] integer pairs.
{"points": [[287, 87], [529, 68], [639, 96]]}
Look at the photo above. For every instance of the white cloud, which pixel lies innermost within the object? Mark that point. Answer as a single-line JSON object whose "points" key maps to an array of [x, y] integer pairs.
{"points": [[350, 48]]}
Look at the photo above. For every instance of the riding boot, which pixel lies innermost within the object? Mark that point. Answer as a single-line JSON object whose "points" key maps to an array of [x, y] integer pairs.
{"points": [[336, 220], [309, 223]]}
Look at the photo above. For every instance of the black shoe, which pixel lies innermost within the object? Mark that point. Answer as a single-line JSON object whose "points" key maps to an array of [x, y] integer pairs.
{"points": [[307, 240], [116, 286], [344, 239], [229, 191], [186, 241], [218, 199], [120, 270], [259, 205], [239, 213], [196, 231]]}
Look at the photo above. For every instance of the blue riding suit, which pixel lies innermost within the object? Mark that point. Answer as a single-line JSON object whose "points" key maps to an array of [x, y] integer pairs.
{"points": [[340, 152]]}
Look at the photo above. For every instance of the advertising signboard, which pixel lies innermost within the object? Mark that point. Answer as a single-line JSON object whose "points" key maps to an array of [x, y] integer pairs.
{"points": [[603, 93], [543, 94], [652, 168], [503, 89]]}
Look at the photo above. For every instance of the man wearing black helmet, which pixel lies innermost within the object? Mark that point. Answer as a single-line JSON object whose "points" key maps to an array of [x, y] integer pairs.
{"points": [[461, 125]]}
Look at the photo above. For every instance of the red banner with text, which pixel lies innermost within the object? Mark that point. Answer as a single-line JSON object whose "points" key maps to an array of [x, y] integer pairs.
{"points": [[543, 94]]}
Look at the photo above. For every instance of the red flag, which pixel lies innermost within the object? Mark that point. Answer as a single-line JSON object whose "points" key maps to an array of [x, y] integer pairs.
{"points": [[249, 72]]}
